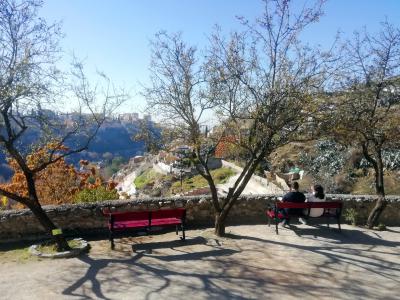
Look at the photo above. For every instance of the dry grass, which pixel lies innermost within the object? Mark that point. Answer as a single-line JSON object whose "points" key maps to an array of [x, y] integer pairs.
{"points": [[290, 152], [306, 182], [51, 247], [18, 255], [149, 177], [365, 185]]}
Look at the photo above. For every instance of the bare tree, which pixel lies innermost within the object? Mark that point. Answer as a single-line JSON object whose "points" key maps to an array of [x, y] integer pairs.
{"points": [[150, 135], [259, 83], [365, 112], [34, 98]]}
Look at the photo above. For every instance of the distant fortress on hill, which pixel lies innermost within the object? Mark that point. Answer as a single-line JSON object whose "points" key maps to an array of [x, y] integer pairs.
{"points": [[125, 118], [132, 117]]}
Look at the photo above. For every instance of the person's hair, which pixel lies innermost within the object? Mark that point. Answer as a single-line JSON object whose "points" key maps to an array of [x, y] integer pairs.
{"points": [[319, 191], [295, 185]]}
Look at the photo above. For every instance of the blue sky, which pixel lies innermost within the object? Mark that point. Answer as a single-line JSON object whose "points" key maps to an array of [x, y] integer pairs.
{"points": [[113, 35]]}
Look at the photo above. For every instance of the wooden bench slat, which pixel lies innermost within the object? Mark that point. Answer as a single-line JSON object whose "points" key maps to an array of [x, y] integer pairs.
{"points": [[130, 215], [167, 221], [168, 213], [130, 224]]}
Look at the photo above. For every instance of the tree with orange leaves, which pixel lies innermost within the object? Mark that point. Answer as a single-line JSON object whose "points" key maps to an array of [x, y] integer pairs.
{"points": [[228, 147], [34, 97], [56, 184]]}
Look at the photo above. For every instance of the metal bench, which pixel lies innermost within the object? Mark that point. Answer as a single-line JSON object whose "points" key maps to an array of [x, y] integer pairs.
{"points": [[332, 209], [120, 221]]}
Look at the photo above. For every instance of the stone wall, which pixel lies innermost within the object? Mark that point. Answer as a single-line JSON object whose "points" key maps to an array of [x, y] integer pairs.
{"points": [[82, 218]]}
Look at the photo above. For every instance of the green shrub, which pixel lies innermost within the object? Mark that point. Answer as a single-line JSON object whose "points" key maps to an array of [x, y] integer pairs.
{"points": [[91, 180], [93, 195], [146, 179], [220, 175], [350, 215], [380, 227]]}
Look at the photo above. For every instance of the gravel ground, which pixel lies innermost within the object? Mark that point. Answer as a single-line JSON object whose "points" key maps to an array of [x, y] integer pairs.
{"points": [[303, 262]]}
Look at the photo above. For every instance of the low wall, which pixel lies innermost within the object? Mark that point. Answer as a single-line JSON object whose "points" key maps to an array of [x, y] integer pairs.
{"points": [[83, 218]]}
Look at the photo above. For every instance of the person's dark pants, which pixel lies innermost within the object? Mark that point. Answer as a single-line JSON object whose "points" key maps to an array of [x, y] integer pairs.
{"points": [[285, 213], [292, 212]]}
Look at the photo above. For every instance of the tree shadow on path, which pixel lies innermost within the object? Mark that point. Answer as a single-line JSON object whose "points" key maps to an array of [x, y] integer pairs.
{"points": [[216, 271], [337, 250], [96, 265]]}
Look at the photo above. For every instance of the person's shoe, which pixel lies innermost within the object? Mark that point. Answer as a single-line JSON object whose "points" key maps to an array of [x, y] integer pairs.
{"points": [[303, 221], [284, 224]]}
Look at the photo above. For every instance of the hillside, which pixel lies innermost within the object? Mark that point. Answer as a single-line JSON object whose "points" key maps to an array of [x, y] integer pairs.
{"points": [[113, 140], [338, 169]]}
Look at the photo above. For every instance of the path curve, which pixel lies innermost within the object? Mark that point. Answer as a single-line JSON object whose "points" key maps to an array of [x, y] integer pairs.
{"points": [[256, 185]]}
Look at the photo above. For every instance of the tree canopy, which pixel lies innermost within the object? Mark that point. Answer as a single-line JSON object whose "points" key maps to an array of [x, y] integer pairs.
{"points": [[257, 83], [35, 95]]}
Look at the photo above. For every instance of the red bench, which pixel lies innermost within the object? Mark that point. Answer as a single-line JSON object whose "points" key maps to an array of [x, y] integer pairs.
{"points": [[332, 209], [119, 221]]}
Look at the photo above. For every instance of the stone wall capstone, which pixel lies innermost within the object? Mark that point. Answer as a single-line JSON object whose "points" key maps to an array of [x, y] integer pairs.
{"points": [[76, 219]]}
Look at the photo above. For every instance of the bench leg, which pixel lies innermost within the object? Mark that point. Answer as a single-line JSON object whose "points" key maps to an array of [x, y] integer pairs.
{"points": [[183, 238], [111, 237], [176, 229], [327, 222], [338, 223], [276, 226], [269, 221]]}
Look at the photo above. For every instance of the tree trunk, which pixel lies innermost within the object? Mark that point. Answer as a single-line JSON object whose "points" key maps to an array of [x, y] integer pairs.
{"points": [[34, 205], [380, 204], [233, 195], [376, 212], [219, 225], [48, 225]]}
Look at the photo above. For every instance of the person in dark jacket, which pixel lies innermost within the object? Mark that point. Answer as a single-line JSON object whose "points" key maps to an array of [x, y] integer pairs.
{"points": [[292, 196]]}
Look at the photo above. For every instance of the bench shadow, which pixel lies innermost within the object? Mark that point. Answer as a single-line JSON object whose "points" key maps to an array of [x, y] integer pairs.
{"points": [[339, 253], [195, 255], [169, 244], [345, 236]]}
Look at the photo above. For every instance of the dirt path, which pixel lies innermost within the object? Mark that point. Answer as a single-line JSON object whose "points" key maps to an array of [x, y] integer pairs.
{"points": [[127, 185], [253, 187], [253, 263], [256, 185]]}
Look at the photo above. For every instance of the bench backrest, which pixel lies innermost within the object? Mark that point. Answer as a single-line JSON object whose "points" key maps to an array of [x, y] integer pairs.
{"points": [[178, 213], [328, 204], [130, 216]]}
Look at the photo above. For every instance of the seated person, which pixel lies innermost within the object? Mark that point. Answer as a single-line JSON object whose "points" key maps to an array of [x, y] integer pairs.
{"points": [[316, 196], [292, 196]]}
